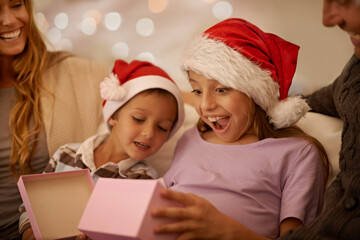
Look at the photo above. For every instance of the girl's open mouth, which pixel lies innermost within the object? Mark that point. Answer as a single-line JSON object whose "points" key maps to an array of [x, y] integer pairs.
{"points": [[219, 123]]}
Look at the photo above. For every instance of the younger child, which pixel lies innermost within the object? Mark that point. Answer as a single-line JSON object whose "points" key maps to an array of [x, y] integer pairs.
{"points": [[143, 108], [245, 156]]}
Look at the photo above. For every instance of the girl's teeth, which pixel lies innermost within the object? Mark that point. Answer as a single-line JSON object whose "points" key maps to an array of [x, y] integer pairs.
{"points": [[214, 119]]}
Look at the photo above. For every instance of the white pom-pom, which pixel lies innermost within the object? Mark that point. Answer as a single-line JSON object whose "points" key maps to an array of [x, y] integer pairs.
{"points": [[111, 90], [288, 112]]}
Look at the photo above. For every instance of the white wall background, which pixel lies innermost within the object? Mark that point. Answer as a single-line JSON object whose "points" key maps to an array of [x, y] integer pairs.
{"points": [[323, 51]]}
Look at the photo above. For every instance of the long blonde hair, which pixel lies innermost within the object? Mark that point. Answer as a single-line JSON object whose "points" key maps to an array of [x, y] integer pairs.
{"points": [[262, 128], [28, 67]]}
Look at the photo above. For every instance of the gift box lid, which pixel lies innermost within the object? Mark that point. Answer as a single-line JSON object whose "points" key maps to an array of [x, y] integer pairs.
{"points": [[55, 202], [119, 209]]}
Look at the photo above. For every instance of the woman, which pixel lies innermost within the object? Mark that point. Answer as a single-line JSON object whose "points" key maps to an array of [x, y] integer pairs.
{"points": [[47, 99]]}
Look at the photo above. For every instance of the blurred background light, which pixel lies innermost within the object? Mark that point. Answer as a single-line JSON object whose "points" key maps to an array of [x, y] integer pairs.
{"points": [[157, 6], [88, 26], [112, 21], [54, 35], [95, 14], [65, 44], [120, 50], [222, 10], [42, 22], [61, 20], [145, 27]]}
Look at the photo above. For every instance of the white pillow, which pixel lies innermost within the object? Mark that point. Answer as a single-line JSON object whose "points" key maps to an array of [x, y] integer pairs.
{"points": [[327, 130]]}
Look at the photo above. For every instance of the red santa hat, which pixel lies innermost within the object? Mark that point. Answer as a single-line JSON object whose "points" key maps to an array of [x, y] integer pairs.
{"points": [[129, 79], [239, 55]]}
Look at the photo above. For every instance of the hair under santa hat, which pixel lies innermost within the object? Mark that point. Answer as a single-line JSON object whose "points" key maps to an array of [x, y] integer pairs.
{"points": [[129, 79], [239, 55]]}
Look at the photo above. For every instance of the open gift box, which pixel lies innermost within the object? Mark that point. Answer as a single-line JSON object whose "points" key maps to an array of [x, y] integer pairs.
{"points": [[119, 209], [61, 204], [55, 202]]}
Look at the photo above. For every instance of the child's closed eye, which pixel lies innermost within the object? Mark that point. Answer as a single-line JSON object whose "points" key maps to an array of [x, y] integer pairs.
{"points": [[163, 129], [139, 120]]}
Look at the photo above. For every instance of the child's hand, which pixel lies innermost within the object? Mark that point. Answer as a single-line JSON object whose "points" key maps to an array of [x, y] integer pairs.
{"points": [[199, 219], [28, 234]]}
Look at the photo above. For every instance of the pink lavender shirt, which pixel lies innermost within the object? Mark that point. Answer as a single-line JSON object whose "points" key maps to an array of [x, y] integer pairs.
{"points": [[258, 184]]}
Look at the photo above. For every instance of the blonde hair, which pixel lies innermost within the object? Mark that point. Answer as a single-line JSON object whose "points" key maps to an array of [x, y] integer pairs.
{"points": [[28, 67], [262, 128]]}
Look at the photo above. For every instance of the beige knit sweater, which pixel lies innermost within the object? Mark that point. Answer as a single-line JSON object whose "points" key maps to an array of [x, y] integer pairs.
{"points": [[77, 111]]}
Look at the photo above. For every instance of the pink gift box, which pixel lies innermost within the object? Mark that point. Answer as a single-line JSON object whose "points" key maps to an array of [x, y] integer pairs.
{"points": [[55, 202], [120, 209]]}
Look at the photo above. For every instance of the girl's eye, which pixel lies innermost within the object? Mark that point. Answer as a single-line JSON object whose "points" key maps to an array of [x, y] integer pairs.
{"points": [[136, 119], [222, 90], [196, 92]]}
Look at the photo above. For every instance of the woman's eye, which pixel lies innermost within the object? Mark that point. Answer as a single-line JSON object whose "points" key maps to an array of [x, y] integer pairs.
{"points": [[196, 92], [17, 4]]}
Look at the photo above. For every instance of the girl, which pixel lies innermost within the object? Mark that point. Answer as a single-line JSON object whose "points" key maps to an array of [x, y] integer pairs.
{"points": [[137, 128], [47, 99], [245, 156]]}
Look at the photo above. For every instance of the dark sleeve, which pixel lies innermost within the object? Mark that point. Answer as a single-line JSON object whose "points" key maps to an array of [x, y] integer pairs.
{"points": [[322, 100]]}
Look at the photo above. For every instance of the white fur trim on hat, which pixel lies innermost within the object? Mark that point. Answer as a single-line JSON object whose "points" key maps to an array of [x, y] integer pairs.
{"points": [[287, 112], [111, 90], [137, 85], [216, 60]]}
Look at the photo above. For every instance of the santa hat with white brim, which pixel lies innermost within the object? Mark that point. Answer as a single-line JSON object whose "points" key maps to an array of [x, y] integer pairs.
{"points": [[129, 79], [239, 55]]}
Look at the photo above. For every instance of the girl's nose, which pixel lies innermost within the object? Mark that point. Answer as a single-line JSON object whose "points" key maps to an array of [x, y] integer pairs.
{"points": [[332, 15], [207, 102]]}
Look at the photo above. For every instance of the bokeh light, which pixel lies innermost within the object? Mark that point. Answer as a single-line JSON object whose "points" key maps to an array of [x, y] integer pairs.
{"points": [[222, 10], [41, 22], [61, 20], [120, 50], [54, 35], [65, 44], [88, 26], [145, 27], [95, 14], [157, 6], [112, 21]]}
